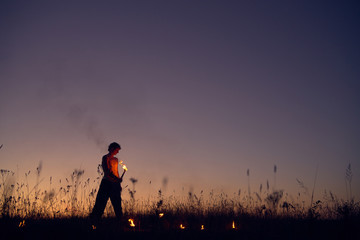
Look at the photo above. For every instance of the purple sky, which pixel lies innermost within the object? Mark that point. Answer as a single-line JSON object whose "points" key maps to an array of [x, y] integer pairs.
{"points": [[195, 91]]}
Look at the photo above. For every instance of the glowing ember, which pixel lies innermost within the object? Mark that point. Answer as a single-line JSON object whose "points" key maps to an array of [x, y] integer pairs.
{"points": [[131, 221], [93, 227], [202, 227], [233, 224], [22, 224], [161, 215], [182, 227]]}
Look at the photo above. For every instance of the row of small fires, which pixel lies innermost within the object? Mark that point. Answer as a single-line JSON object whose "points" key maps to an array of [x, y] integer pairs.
{"points": [[132, 224]]}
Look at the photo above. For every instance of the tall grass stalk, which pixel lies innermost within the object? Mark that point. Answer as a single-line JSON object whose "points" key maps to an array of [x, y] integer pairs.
{"points": [[313, 190], [348, 179], [275, 170]]}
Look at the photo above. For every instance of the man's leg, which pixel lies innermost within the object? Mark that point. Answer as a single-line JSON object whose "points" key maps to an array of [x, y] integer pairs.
{"points": [[115, 198], [101, 200]]}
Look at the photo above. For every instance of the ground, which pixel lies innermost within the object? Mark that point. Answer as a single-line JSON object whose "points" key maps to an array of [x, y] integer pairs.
{"points": [[80, 228]]}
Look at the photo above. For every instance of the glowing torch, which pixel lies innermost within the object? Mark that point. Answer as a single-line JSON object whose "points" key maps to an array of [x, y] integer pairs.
{"points": [[123, 167]]}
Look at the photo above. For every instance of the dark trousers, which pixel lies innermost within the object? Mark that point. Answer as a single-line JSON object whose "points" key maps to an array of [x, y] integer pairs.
{"points": [[107, 190]]}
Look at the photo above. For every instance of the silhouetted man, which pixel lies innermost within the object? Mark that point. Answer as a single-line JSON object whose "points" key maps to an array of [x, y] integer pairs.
{"points": [[110, 186]]}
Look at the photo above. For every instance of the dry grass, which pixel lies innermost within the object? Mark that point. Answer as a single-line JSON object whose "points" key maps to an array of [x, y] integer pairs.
{"points": [[75, 197], [69, 204]]}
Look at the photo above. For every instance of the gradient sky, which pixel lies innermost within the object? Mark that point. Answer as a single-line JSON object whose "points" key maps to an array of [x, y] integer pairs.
{"points": [[195, 91]]}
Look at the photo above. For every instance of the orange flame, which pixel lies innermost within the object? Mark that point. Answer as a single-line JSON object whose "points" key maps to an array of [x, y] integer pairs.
{"points": [[182, 227], [121, 162], [131, 221], [202, 227], [233, 225], [93, 227], [161, 215], [124, 167], [22, 224]]}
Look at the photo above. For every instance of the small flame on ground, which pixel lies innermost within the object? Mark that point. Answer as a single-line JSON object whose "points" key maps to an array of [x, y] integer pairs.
{"points": [[131, 221], [93, 227], [161, 215], [182, 226], [233, 225], [22, 224], [202, 227]]}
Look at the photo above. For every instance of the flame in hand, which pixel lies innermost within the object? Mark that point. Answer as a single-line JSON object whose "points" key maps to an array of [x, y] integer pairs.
{"points": [[124, 167], [121, 162]]}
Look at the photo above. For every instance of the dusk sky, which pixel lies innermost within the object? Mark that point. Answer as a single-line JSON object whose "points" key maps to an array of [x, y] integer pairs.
{"points": [[194, 91]]}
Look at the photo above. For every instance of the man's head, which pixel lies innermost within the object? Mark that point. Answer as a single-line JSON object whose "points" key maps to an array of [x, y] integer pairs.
{"points": [[113, 146]]}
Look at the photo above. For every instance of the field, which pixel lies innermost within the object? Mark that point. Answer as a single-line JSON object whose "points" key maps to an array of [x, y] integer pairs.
{"points": [[30, 212]]}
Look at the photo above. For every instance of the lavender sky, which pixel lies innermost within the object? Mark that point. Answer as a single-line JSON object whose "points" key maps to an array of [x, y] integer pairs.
{"points": [[194, 91]]}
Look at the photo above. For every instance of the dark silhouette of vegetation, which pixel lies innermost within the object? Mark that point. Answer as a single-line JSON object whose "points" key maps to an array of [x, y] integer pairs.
{"points": [[270, 214]]}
